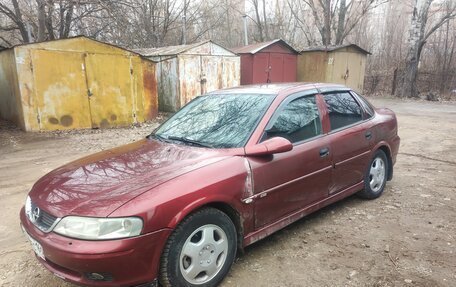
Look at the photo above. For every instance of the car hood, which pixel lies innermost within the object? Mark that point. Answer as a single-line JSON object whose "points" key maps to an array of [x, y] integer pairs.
{"points": [[98, 184]]}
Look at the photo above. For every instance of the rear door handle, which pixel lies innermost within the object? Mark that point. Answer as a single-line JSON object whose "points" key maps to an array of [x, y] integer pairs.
{"points": [[324, 152], [368, 135]]}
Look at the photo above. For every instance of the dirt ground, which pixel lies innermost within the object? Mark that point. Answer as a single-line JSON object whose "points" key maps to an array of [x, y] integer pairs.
{"points": [[404, 238]]}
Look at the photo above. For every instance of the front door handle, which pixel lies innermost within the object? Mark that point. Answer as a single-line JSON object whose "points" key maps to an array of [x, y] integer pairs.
{"points": [[368, 135], [324, 152]]}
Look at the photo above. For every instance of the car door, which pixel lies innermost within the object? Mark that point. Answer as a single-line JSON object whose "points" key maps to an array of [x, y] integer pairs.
{"points": [[290, 181], [350, 140]]}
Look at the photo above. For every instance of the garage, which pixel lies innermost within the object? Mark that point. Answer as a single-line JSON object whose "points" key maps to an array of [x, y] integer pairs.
{"points": [[345, 64], [268, 62], [187, 71], [75, 83]]}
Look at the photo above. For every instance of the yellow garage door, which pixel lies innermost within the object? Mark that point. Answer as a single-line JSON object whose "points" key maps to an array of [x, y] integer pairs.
{"points": [[109, 78], [60, 90]]}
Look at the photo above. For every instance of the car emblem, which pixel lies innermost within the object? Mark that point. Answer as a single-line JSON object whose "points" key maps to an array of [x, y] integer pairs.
{"points": [[35, 214]]}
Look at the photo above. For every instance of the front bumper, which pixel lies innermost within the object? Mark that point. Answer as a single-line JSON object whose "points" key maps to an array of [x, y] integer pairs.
{"points": [[125, 262]]}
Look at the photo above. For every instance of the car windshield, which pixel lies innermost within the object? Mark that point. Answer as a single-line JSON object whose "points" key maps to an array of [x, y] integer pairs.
{"points": [[218, 121]]}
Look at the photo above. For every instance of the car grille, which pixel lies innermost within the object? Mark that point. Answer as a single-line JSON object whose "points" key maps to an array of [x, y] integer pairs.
{"points": [[40, 218]]}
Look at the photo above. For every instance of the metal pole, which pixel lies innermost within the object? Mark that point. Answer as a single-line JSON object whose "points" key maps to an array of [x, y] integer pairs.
{"points": [[246, 39]]}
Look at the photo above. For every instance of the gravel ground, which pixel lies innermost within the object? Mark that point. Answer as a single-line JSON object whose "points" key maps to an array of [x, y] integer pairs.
{"points": [[404, 238]]}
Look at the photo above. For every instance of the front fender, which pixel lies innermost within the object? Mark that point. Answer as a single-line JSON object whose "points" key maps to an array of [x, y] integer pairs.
{"points": [[168, 204]]}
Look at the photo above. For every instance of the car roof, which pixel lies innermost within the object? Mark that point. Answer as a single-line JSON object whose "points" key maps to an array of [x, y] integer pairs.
{"points": [[274, 89]]}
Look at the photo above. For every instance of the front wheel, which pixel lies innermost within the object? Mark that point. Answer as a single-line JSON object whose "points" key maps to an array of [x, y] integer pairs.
{"points": [[200, 251], [376, 176]]}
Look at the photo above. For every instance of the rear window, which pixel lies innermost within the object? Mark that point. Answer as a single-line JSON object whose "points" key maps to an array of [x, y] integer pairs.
{"points": [[343, 110]]}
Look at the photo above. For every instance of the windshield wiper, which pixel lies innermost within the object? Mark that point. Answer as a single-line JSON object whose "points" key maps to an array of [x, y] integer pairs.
{"points": [[189, 141]]}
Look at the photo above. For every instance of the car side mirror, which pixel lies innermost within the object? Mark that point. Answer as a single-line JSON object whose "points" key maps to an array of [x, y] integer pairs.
{"points": [[270, 146]]}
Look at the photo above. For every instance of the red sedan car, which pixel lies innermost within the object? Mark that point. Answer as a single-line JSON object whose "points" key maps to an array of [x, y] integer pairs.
{"points": [[228, 169]]}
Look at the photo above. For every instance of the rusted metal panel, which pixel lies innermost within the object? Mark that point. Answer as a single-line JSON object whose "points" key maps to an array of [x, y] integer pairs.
{"points": [[201, 48], [25, 78], [217, 50], [189, 78], [81, 83], [230, 72], [60, 92], [168, 84], [109, 90], [186, 71], [211, 73], [149, 90], [10, 103], [79, 44]]}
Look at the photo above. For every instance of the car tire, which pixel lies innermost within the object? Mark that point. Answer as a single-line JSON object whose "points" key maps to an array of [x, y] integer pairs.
{"points": [[200, 251], [375, 177]]}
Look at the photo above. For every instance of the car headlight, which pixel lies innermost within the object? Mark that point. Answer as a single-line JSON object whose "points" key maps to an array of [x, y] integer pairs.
{"points": [[91, 228]]}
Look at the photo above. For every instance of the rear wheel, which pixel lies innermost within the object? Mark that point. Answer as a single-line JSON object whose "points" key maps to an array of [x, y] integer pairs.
{"points": [[200, 251], [376, 176]]}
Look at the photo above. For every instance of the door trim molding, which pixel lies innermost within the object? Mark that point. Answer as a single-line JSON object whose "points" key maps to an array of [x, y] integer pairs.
{"points": [[264, 231], [267, 191]]}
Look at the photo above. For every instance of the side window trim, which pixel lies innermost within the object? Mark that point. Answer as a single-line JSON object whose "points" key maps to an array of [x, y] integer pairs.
{"points": [[331, 131], [282, 106], [362, 104]]}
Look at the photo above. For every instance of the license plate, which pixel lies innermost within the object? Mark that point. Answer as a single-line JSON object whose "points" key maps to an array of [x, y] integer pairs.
{"points": [[36, 246]]}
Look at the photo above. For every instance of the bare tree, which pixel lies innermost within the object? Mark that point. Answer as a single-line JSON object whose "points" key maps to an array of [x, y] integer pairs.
{"points": [[14, 13], [418, 34], [336, 19], [260, 20], [42, 20]]}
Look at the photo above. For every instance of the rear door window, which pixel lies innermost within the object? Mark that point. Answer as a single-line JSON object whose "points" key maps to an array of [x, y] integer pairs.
{"points": [[368, 109], [296, 121], [343, 110]]}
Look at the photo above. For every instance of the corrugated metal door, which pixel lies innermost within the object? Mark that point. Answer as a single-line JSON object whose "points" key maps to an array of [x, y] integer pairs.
{"points": [[168, 85], [231, 71], [111, 91], [61, 90]]}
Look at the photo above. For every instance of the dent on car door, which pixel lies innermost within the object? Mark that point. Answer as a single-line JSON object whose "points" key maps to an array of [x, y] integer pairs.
{"points": [[350, 139], [290, 181]]}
